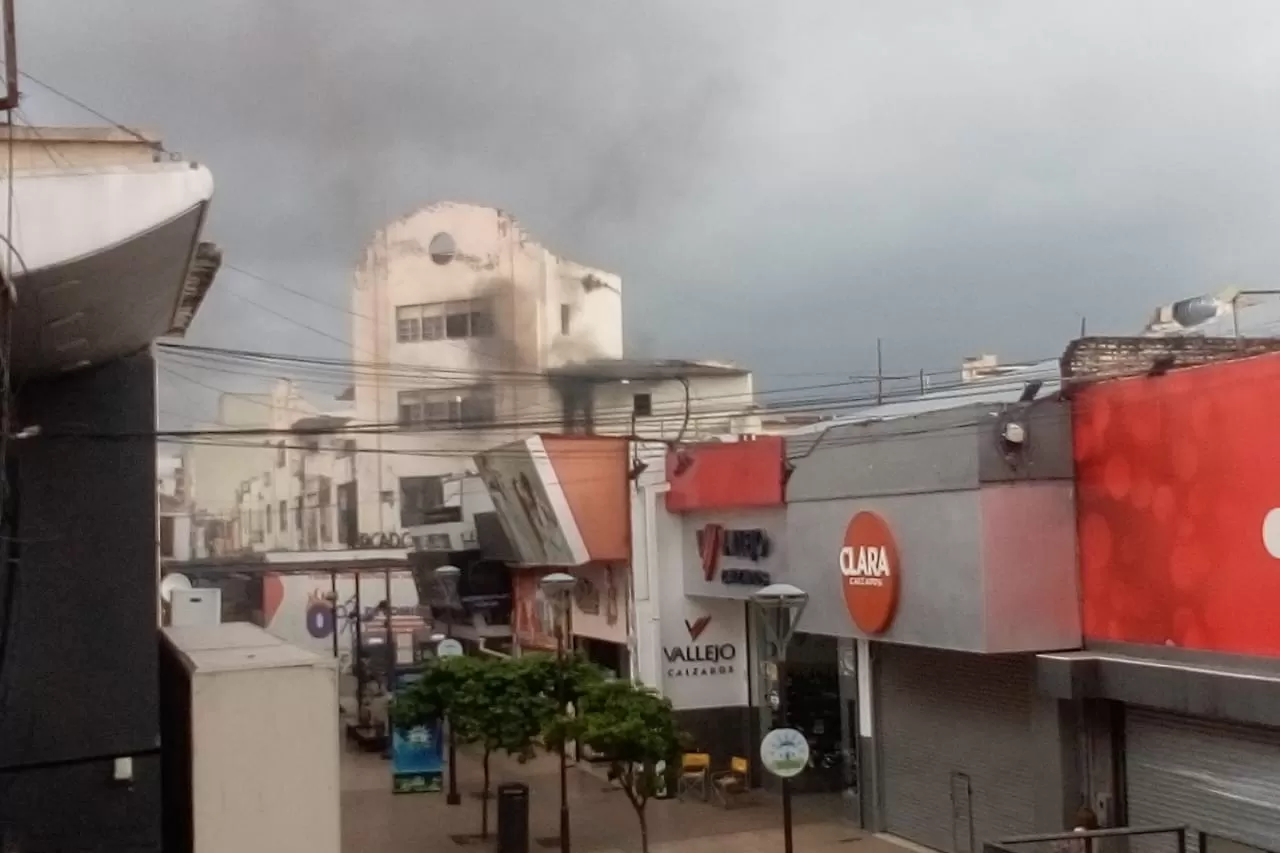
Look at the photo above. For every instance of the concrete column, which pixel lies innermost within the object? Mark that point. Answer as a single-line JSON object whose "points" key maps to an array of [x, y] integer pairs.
{"points": [[869, 785], [1056, 728]]}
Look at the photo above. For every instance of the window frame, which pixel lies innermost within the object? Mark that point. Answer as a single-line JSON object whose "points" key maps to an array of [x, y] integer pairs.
{"points": [[456, 407]]}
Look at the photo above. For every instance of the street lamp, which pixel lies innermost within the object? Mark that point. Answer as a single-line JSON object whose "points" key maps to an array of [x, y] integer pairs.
{"points": [[557, 587], [780, 606], [447, 577]]}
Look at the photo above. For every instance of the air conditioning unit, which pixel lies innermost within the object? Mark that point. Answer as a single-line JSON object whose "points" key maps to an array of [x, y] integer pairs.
{"points": [[191, 607]]}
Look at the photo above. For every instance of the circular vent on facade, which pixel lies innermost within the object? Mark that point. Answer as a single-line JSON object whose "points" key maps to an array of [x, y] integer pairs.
{"points": [[442, 248]]}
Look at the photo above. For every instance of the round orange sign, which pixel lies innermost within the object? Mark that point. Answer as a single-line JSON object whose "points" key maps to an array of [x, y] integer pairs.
{"points": [[869, 572]]}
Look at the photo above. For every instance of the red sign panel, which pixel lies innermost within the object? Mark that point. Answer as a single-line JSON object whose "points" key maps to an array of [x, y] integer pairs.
{"points": [[1178, 507], [726, 475], [870, 570]]}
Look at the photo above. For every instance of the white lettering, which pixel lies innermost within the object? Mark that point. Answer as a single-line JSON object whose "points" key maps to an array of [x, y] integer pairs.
{"points": [[865, 565]]}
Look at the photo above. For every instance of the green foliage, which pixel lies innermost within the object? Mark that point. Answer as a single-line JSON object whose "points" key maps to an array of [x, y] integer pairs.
{"points": [[636, 730], [437, 693], [580, 676], [501, 704]]}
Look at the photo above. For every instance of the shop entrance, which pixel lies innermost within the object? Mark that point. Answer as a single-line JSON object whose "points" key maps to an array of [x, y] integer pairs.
{"points": [[611, 656], [821, 690]]}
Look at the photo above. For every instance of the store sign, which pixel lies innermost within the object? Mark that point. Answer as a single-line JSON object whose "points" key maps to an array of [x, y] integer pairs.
{"points": [[698, 660], [870, 570], [716, 541]]}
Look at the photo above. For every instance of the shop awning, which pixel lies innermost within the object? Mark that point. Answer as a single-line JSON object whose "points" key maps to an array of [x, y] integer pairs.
{"points": [[1243, 691]]}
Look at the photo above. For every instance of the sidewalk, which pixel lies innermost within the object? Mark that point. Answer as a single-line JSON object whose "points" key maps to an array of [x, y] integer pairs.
{"points": [[376, 821]]}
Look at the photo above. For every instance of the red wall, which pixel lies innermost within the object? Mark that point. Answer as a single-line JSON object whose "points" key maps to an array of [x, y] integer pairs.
{"points": [[1176, 476], [726, 475]]}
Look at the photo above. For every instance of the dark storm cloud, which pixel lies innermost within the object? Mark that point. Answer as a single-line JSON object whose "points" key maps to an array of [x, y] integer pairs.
{"points": [[780, 188]]}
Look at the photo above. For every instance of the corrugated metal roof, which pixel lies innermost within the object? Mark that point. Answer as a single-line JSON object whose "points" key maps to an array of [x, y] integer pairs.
{"points": [[1004, 389]]}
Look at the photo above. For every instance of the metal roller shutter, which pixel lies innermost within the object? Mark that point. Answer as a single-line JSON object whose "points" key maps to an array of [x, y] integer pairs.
{"points": [[1216, 777], [955, 746]]}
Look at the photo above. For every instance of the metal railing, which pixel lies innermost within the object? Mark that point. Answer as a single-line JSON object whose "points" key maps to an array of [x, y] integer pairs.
{"points": [[1011, 844]]}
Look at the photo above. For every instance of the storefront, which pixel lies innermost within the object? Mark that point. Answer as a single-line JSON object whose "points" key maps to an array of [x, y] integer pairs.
{"points": [[715, 513], [562, 503], [1179, 543], [939, 557]]}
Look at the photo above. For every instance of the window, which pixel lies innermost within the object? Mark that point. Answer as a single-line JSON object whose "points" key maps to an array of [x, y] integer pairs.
{"points": [[282, 455], [270, 514], [457, 324], [445, 407], [481, 320], [284, 516], [324, 497], [565, 315], [452, 320], [419, 495], [442, 248], [349, 447], [297, 513], [166, 536], [409, 323]]}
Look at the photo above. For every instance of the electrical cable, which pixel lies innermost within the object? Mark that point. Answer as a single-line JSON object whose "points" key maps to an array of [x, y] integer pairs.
{"points": [[141, 137], [961, 392]]}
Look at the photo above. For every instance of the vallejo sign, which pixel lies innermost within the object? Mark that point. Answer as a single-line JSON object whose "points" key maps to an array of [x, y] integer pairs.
{"points": [[699, 660], [715, 542]]}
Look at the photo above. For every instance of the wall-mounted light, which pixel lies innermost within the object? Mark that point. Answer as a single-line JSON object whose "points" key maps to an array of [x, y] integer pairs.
{"points": [[1014, 433]]}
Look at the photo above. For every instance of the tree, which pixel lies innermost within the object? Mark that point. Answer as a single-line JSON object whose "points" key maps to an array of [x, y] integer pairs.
{"points": [[500, 704], [635, 729]]}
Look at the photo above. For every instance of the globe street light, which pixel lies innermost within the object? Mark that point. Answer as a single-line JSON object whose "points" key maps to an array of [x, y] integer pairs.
{"points": [[780, 606], [447, 577], [557, 587]]}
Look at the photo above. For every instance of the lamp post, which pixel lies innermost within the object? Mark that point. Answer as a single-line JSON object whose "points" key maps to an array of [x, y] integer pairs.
{"points": [[447, 577], [558, 586], [780, 606]]}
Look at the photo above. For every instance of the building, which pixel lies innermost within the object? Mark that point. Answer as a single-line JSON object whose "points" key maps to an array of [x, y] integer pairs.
{"points": [[1178, 683], [107, 256], [177, 534], [538, 348], [457, 313], [44, 149], [907, 525], [218, 473]]}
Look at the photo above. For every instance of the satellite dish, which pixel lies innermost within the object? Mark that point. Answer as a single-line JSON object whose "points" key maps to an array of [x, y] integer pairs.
{"points": [[172, 581]]}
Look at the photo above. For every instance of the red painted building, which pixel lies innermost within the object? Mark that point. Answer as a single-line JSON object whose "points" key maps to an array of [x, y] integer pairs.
{"points": [[1178, 510]]}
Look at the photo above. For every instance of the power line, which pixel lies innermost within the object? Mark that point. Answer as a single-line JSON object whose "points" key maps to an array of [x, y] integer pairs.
{"points": [[141, 137]]}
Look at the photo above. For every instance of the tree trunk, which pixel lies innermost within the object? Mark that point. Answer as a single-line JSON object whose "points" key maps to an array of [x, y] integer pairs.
{"points": [[484, 798], [644, 830]]}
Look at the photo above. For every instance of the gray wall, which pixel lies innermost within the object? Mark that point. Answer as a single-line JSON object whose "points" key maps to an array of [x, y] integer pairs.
{"points": [[987, 538]]}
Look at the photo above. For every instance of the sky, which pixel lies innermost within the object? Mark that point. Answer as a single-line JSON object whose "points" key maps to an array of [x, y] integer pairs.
{"points": [[777, 184]]}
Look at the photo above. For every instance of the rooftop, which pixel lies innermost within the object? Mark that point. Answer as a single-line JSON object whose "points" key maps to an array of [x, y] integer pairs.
{"points": [[633, 369]]}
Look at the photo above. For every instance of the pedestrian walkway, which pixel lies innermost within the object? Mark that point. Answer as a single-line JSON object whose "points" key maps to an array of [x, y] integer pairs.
{"points": [[376, 821]]}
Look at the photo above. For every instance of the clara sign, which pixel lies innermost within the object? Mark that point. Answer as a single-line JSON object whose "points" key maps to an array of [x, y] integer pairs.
{"points": [[870, 569], [698, 659]]}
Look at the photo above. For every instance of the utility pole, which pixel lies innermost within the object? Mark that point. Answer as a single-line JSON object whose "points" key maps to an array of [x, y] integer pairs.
{"points": [[10, 99], [879, 373]]}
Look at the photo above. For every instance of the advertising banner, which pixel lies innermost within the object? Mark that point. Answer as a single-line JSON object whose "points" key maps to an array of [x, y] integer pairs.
{"points": [[296, 610], [704, 654], [417, 755], [534, 618]]}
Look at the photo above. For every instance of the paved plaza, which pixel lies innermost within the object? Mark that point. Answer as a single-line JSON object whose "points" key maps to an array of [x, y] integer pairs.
{"points": [[376, 821]]}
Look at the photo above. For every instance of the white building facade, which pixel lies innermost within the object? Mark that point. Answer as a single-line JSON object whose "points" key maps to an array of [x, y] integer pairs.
{"points": [[467, 334]]}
